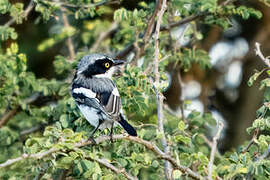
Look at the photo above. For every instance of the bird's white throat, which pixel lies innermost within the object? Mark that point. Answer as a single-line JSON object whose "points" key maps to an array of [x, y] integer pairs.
{"points": [[108, 74]]}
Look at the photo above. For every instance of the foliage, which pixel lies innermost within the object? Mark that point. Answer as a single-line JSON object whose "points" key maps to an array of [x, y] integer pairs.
{"points": [[41, 102]]}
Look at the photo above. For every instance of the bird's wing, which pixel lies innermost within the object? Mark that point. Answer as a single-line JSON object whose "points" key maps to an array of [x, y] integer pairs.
{"points": [[88, 98], [108, 102], [111, 102]]}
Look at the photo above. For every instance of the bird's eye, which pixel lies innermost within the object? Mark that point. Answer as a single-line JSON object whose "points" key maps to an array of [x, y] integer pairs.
{"points": [[107, 65]]}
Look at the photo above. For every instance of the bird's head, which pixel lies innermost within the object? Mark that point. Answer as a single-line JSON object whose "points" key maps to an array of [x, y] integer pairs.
{"points": [[98, 65]]}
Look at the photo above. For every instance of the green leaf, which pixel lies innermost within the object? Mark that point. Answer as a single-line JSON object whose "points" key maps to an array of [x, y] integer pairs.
{"points": [[183, 139], [254, 77], [181, 126]]}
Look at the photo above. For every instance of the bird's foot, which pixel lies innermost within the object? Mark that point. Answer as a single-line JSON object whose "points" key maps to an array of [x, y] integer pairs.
{"points": [[111, 138]]}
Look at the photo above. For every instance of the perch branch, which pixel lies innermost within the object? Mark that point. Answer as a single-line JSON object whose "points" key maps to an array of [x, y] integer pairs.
{"points": [[24, 14], [258, 52], [213, 150], [105, 163], [149, 145]]}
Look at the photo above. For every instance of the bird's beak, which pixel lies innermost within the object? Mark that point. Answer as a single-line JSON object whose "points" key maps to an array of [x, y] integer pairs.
{"points": [[118, 62]]}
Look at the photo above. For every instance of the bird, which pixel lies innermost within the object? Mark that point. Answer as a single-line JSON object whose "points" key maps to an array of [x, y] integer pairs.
{"points": [[96, 94]]}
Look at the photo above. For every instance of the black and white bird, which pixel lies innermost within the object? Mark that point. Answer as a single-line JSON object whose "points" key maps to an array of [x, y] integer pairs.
{"points": [[96, 95]]}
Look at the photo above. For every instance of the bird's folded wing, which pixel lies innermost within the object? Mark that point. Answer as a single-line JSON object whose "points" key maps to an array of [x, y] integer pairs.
{"points": [[111, 102], [108, 102], [92, 102]]}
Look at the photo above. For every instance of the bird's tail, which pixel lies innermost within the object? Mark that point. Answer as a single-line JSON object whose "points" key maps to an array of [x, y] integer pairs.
{"points": [[130, 130]]}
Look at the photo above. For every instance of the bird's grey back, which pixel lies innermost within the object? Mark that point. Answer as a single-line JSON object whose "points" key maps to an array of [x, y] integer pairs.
{"points": [[94, 83]]}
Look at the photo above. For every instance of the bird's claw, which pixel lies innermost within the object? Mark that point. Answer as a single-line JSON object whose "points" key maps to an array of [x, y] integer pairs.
{"points": [[111, 138]]}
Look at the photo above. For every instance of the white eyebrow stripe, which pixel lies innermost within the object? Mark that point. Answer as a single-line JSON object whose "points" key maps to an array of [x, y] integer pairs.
{"points": [[87, 92]]}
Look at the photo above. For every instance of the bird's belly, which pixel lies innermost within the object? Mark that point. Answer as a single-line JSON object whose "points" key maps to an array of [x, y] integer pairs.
{"points": [[93, 116], [90, 114]]}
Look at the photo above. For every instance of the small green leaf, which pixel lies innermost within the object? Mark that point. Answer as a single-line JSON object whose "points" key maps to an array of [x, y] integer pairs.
{"points": [[181, 126], [254, 77]]}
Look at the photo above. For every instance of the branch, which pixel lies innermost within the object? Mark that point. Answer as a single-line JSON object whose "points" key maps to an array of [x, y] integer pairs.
{"points": [[87, 6], [104, 35], [258, 52], [7, 116], [149, 145], [213, 150], [159, 96], [255, 135], [69, 39], [24, 14], [191, 18], [188, 19], [31, 130], [183, 21], [105, 163], [151, 21]]}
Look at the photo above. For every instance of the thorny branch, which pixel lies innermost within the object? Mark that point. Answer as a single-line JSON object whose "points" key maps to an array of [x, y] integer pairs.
{"points": [[213, 150], [159, 96], [149, 145]]}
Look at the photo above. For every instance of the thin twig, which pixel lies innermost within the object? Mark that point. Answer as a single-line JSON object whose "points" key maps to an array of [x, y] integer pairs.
{"points": [[254, 137], [7, 116], [258, 52], [182, 103], [151, 64], [146, 125], [24, 14], [185, 20], [69, 39], [149, 145], [101, 3], [105, 163], [191, 18], [31, 130], [213, 150], [151, 21], [104, 35], [159, 96]]}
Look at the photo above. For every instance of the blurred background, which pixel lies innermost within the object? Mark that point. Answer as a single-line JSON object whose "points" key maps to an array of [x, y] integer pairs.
{"points": [[223, 90]]}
